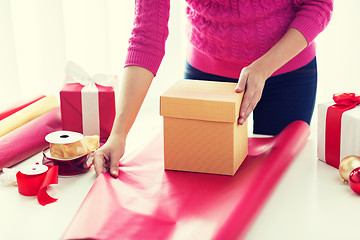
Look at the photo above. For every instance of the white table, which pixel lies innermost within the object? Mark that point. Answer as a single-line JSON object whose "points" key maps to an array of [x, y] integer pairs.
{"points": [[310, 202]]}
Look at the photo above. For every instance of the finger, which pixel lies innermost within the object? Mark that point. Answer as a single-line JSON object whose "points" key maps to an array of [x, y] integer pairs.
{"points": [[249, 108], [246, 102], [254, 102], [240, 87], [114, 164], [114, 167], [99, 160]]}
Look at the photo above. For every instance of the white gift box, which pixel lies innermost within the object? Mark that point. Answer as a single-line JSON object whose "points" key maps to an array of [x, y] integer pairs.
{"points": [[349, 137]]}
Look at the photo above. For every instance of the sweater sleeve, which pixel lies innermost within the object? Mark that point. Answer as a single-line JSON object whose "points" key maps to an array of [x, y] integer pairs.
{"points": [[147, 41], [312, 17]]}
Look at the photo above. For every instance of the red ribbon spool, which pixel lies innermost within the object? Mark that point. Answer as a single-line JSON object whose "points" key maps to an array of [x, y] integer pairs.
{"points": [[34, 180], [68, 167]]}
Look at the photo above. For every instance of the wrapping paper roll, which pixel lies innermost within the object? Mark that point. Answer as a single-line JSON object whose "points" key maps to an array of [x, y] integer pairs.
{"points": [[147, 203], [18, 107], [28, 139], [27, 114]]}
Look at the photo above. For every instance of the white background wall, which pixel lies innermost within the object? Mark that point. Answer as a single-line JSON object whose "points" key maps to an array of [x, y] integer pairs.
{"points": [[338, 51]]}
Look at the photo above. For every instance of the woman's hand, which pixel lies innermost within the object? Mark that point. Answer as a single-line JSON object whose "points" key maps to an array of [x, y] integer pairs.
{"points": [[107, 157], [135, 84], [252, 80]]}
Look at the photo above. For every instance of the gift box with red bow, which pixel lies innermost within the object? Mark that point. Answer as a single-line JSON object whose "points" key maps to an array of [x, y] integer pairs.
{"points": [[88, 103], [339, 128]]}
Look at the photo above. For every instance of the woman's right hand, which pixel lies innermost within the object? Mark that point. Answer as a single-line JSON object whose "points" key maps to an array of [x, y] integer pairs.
{"points": [[107, 157], [135, 84]]}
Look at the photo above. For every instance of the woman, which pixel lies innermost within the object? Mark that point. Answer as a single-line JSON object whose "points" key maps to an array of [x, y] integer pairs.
{"points": [[266, 46]]}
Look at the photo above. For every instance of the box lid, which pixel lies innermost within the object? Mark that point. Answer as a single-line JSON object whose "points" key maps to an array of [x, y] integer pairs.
{"points": [[201, 100]]}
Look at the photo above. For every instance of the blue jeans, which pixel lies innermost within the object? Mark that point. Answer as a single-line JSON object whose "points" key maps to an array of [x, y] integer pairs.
{"points": [[286, 97]]}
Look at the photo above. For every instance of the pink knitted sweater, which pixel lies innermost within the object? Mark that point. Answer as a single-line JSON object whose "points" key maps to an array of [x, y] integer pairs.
{"points": [[227, 35]]}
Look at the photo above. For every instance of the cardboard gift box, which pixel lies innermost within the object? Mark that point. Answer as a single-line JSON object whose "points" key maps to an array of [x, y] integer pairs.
{"points": [[88, 112], [201, 133], [339, 129]]}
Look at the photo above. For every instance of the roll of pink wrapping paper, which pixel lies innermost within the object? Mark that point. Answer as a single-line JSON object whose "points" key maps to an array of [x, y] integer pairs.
{"points": [[28, 139], [146, 202], [18, 107]]}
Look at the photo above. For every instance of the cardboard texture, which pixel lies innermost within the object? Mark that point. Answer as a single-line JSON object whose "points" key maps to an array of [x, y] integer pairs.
{"points": [[201, 133], [349, 135], [71, 109]]}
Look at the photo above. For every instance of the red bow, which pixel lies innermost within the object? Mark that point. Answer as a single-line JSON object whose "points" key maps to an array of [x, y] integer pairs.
{"points": [[346, 99]]}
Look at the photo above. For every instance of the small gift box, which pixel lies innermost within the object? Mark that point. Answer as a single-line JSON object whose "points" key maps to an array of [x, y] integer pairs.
{"points": [[339, 128], [88, 103], [201, 133]]}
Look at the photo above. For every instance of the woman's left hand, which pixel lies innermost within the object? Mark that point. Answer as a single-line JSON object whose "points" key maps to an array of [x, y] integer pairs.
{"points": [[252, 80]]}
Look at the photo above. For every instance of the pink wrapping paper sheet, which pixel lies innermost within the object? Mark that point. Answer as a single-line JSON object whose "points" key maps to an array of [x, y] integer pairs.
{"points": [[28, 139], [146, 202]]}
